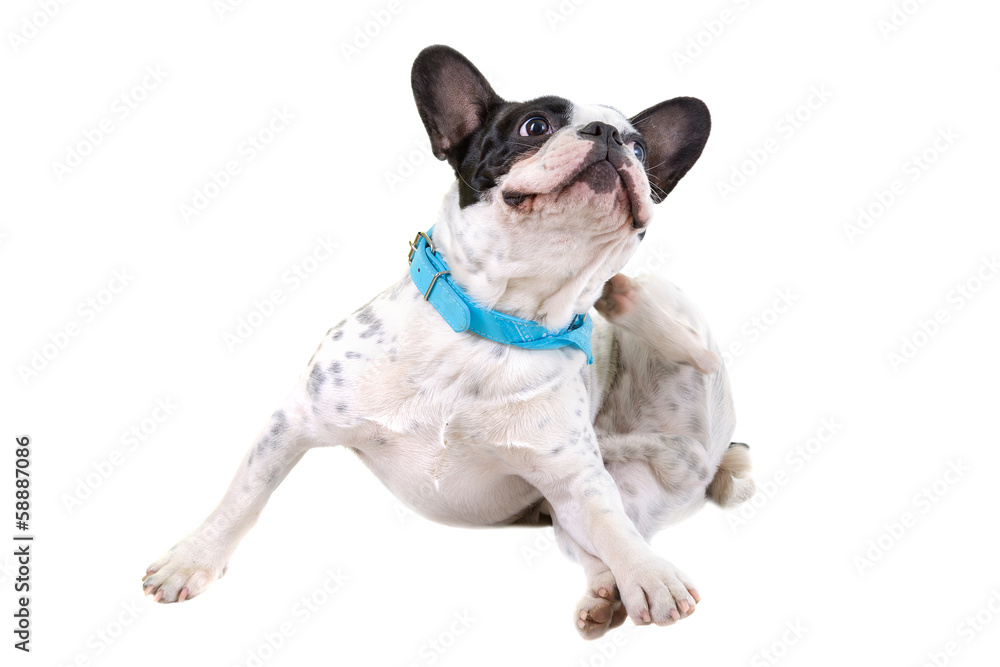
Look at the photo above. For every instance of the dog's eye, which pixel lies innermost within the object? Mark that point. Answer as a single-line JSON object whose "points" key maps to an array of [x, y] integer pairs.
{"points": [[639, 151], [535, 127]]}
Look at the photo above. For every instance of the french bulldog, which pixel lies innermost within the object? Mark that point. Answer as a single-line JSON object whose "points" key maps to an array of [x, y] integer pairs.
{"points": [[467, 387]]}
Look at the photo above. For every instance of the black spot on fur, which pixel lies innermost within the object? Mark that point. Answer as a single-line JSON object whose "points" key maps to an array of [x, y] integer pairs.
{"points": [[373, 329], [352, 355], [280, 423], [337, 332], [696, 424], [316, 379]]}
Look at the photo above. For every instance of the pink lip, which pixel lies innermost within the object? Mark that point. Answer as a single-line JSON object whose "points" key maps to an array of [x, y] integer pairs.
{"points": [[626, 176]]}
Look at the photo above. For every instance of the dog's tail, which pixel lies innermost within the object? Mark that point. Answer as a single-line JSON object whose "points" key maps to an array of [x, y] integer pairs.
{"points": [[733, 483]]}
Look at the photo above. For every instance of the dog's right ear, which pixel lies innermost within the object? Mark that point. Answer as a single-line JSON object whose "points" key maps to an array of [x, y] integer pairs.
{"points": [[452, 96]]}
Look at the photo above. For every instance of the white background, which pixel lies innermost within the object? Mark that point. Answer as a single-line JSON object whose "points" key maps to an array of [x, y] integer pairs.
{"points": [[795, 559]]}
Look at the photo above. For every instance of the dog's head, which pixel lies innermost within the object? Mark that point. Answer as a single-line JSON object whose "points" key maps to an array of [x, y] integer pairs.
{"points": [[552, 197]]}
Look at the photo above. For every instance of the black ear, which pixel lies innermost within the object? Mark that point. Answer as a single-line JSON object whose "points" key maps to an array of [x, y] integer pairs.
{"points": [[452, 96], [675, 132]]}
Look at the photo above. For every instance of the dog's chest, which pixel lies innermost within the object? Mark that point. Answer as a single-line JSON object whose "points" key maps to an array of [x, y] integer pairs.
{"points": [[426, 408]]}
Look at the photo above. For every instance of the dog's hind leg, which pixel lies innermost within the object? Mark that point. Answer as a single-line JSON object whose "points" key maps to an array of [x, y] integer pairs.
{"points": [[193, 564], [649, 309], [600, 608]]}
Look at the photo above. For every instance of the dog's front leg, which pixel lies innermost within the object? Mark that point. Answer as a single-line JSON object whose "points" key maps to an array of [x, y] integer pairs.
{"points": [[588, 507], [190, 566]]}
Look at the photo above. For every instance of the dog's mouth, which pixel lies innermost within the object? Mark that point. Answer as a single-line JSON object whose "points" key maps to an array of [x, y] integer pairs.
{"points": [[603, 174]]}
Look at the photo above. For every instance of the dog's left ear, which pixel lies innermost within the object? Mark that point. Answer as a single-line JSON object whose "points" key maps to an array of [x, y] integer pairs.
{"points": [[675, 132], [452, 96]]}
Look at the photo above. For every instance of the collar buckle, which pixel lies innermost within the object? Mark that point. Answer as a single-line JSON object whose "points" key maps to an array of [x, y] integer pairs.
{"points": [[415, 242]]}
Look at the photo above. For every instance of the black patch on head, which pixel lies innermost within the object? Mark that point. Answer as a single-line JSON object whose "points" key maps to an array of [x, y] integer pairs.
{"points": [[471, 126], [493, 148]]}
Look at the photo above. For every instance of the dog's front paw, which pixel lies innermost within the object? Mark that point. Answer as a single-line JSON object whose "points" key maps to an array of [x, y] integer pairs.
{"points": [[657, 592], [600, 609], [184, 572], [619, 297]]}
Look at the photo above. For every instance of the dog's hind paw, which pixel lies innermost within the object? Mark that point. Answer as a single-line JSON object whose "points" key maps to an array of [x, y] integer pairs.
{"points": [[595, 615], [618, 298], [599, 609]]}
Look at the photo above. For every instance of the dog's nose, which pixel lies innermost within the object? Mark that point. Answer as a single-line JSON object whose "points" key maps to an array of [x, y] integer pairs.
{"points": [[598, 130]]}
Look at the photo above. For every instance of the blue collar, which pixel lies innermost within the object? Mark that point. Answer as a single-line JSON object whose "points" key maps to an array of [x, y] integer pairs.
{"points": [[431, 276]]}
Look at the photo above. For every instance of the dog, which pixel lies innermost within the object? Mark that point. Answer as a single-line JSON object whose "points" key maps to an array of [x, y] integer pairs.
{"points": [[479, 388]]}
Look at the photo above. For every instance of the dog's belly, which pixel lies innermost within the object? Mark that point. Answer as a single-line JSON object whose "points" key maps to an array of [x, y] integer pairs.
{"points": [[455, 485]]}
